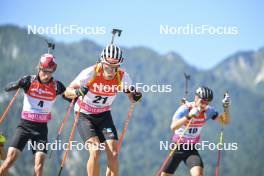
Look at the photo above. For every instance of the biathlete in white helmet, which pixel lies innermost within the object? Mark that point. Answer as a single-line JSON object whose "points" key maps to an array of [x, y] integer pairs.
{"points": [[96, 88]]}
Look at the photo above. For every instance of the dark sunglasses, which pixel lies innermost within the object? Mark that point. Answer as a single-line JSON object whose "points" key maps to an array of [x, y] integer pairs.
{"points": [[46, 71], [204, 102]]}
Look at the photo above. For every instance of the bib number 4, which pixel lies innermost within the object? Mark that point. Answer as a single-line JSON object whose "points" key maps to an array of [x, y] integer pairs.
{"points": [[41, 104]]}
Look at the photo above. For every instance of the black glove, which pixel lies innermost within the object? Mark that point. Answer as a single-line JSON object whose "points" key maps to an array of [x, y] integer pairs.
{"points": [[137, 96], [21, 83], [81, 91], [12, 86]]}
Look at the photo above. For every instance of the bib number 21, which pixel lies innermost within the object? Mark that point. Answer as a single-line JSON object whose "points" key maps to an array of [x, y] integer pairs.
{"points": [[100, 99]]}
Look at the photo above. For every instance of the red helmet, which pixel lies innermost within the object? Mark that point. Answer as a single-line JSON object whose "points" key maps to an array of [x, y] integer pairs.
{"points": [[47, 62]]}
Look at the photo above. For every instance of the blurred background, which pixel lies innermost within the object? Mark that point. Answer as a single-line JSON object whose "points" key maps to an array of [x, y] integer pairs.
{"points": [[218, 43]]}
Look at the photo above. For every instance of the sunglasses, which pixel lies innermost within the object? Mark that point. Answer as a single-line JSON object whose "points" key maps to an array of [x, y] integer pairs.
{"points": [[46, 71], [205, 102], [109, 67]]}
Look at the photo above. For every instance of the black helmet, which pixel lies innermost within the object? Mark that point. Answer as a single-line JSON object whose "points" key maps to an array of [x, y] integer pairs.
{"points": [[204, 93]]}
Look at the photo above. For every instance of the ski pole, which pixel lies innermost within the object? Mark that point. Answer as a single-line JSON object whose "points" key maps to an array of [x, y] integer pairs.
{"points": [[221, 139], [114, 31], [129, 115], [187, 78], [51, 46], [219, 151], [9, 106], [62, 124], [71, 137], [173, 150]]}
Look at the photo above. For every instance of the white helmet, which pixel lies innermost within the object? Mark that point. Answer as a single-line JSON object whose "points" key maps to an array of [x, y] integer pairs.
{"points": [[112, 54], [205, 93]]}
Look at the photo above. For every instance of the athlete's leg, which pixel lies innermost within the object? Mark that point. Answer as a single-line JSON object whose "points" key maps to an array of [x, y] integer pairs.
{"points": [[12, 156], [173, 162], [39, 163], [18, 143], [87, 130], [93, 164], [166, 174], [2, 152], [112, 159], [196, 171], [195, 164]]}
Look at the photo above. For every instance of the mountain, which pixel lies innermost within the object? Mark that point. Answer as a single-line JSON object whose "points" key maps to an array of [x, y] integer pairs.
{"points": [[241, 74], [244, 68]]}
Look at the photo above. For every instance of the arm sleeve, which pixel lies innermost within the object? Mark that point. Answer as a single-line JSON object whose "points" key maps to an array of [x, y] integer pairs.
{"points": [[24, 83], [60, 88], [211, 113], [85, 76], [181, 112]]}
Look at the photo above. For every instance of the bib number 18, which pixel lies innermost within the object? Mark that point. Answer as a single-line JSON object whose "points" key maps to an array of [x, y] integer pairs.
{"points": [[193, 130]]}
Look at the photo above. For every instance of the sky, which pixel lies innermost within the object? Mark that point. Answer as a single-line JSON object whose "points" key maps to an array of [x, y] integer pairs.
{"points": [[144, 24]]}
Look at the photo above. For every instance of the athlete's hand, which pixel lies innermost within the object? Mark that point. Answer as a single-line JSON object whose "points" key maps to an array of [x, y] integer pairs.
{"points": [[18, 84], [226, 101], [81, 91], [137, 96], [193, 113]]}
